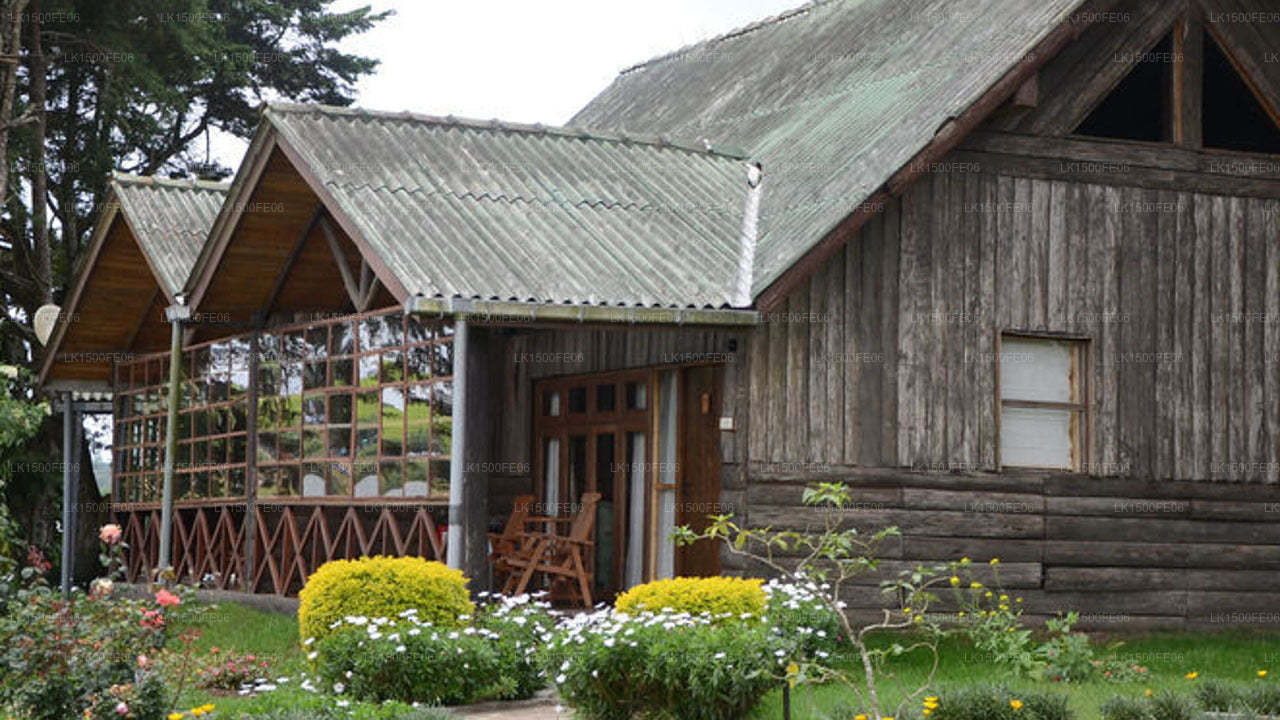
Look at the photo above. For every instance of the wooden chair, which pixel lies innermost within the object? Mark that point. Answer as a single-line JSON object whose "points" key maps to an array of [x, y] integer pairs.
{"points": [[507, 544], [560, 558]]}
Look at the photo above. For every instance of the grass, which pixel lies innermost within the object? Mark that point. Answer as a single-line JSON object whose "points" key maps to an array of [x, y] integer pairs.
{"points": [[1229, 655]]}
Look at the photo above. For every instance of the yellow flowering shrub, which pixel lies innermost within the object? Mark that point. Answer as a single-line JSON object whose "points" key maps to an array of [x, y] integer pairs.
{"points": [[381, 586], [713, 595]]}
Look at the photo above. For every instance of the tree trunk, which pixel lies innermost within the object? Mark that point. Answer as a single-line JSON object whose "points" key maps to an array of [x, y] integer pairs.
{"points": [[11, 48], [42, 269]]}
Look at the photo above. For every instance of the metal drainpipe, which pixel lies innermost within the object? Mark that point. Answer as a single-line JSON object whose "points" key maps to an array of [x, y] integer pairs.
{"points": [[68, 492], [458, 453], [175, 314]]}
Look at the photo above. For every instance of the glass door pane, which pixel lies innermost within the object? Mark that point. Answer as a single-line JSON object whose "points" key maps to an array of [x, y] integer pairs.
{"points": [[665, 474], [607, 541], [551, 472], [635, 483]]}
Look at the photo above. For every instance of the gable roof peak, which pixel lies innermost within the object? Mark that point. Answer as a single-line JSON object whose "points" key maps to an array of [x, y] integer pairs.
{"points": [[736, 32], [701, 146]]}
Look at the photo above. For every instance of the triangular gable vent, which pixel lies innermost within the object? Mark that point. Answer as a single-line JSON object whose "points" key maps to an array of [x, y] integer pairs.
{"points": [[1141, 105], [1234, 118], [1137, 108]]}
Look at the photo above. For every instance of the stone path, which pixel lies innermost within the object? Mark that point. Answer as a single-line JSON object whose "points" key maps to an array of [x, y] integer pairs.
{"points": [[536, 709]]}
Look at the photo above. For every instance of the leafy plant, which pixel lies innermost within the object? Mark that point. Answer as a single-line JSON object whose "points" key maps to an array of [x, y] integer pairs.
{"points": [[1126, 708], [615, 666], [833, 555], [229, 670], [1167, 705], [797, 613], [1217, 696], [382, 587], [986, 702], [407, 660], [521, 626]]}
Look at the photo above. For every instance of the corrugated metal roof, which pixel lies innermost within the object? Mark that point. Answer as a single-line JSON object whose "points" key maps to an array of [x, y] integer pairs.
{"points": [[500, 211], [170, 219], [832, 98]]}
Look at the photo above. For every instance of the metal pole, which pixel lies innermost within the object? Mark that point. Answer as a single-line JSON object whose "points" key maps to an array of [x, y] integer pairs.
{"points": [[458, 453], [175, 314], [786, 701], [68, 492]]}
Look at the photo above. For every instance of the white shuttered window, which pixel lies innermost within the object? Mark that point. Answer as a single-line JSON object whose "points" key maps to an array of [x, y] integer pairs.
{"points": [[1043, 413]]}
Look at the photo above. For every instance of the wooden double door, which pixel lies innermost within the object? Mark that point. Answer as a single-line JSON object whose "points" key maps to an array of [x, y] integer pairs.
{"points": [[648, 442]]}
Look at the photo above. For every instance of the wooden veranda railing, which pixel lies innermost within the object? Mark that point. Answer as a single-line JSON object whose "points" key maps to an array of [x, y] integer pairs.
{"points": [[210, 541]]}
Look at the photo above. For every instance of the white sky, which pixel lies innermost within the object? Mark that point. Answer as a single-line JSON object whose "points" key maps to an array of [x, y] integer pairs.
{"points": [[521, 60]]}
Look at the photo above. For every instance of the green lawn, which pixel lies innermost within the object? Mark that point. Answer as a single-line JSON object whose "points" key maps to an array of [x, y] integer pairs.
{"points": [[1228, 655], [1169, 656]]}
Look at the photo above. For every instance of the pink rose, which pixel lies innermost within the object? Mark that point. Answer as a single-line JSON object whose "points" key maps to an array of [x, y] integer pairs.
{"points": [[122, 709], [165, 598], [110, 533]]}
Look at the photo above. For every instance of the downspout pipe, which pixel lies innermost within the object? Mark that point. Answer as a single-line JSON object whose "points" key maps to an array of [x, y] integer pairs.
{"points": [[175, 314], [458, 453], [68, 492]]}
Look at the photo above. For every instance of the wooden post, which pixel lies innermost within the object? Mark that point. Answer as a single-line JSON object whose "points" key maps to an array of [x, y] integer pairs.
{"points": [[68, 492], [251, 468], [175, 314]]}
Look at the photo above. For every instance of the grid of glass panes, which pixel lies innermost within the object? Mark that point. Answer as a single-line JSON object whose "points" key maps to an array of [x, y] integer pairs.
{"points": [[358, 406], [139, 429], [213, 426]]}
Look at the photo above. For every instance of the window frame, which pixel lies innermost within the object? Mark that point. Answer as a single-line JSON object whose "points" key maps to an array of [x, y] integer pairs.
{"points": [[1082, 447]]}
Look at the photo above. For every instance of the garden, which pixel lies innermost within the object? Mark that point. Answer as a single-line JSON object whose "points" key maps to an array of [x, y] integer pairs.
{"points": [[404, 638]]}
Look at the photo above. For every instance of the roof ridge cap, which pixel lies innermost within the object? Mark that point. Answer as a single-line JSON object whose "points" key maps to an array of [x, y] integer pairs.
{"points": [[130, 179], [707, 147], [730, 34]]}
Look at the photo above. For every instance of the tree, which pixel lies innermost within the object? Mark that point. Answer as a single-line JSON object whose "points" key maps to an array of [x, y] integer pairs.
{"points": [[137, 86], [89, 87]]}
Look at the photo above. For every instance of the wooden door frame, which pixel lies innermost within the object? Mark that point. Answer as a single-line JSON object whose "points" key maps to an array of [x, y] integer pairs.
{"points": [[589, 424]]}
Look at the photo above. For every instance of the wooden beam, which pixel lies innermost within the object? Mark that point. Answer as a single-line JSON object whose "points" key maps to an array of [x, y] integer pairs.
{"points": [[946, 138], [340, 258], [288, 264], [1188, 78], [1027, 95]]}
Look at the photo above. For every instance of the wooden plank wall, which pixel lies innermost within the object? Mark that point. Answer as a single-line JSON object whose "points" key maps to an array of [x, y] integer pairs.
{"points": [[1178, 292], [1127, 554]]}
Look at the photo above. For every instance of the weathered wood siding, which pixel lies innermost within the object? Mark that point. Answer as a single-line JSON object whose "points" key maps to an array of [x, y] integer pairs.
{"points": [[1177, 291], [1127, 554]]}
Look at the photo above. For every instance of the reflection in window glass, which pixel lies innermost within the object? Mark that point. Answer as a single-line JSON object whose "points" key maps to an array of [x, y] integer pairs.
{"points": [[305, 411]]}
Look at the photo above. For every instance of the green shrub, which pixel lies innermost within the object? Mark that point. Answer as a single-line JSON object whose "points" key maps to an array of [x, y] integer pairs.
{"points": [[611, 666], [381, 659], [1263, 698], [1166, 705], [718, 597], [63, 659], [1217, 696], [522, 627], [382, 587], [798, 614], [1126, 708], [993, 702]]}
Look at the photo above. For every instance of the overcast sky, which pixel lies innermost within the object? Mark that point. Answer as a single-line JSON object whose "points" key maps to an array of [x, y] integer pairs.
{"points": [[521, 60]]}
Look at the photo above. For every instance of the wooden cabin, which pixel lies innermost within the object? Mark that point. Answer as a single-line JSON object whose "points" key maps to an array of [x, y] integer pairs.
{"points": [[1009, 269]]}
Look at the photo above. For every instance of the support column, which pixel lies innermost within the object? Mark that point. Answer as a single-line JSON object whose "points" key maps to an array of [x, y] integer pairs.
{"points": [[458, 453], [69, 488], [175, 314]]}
